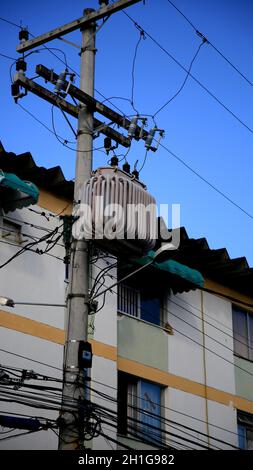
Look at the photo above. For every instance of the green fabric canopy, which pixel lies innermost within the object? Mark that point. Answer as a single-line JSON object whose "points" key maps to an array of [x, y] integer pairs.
{"points": [[182, 278], [16, 193]]}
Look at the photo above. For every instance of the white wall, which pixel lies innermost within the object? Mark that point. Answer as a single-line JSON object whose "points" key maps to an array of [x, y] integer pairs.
{"points": [[185, 346], [104, 380], [219, 339], [40, 279]]}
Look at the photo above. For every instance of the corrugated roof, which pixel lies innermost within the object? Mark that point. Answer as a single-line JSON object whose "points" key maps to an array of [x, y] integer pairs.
{"points": [[24, 166], [195, 253]]}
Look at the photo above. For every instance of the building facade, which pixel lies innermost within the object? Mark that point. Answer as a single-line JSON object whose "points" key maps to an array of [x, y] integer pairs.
{"points": [[172, 363]]}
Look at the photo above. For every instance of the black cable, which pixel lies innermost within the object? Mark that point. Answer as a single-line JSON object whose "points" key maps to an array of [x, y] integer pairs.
{"points": [[169, 422], [7, 56], [30, 359], [31, 250], [114, 400], [142, 36], [135, 421], [28, 246], [20, 434], [162, 418], [11, 23], [212, 45], [144, 162], [40, 122], [221, 193], [64, 142], [183, 84], [76, 401]]}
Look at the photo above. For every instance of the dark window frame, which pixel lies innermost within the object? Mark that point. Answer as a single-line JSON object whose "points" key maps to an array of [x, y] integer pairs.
{"points": [[127, 414], [245, 430], [243, 341]]}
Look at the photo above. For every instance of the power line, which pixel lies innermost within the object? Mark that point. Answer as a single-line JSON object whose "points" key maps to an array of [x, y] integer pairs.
{"points": [[109, 397], [221, 193], [212, 45], [64, 143], [30, 245], [11, 23], [184, 82], [32, 251], [33, 396], [142, 36], [41, 123], [6, 56]]}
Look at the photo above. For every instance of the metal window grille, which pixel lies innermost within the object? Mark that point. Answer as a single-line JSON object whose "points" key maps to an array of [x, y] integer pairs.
{"points": [[128, 300]]}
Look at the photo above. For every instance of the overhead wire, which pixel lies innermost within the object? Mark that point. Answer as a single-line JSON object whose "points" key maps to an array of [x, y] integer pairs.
{"points": [[184, 82], [171, 423], [162, 48], [29, 245], [196, 173], [6, 56], [211, 44], [109, 397], [10, 22], [42, 402], [40, 122], [142, 36]]}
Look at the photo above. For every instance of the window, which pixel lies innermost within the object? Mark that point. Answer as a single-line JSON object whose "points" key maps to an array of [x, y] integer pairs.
{"points": [[243, 333], [10, 231], [144, 302], [139, 408], [245, 430]]}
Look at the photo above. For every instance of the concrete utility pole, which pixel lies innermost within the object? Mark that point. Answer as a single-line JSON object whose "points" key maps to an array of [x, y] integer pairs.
{"points": [[78, 297], [72, 416]]}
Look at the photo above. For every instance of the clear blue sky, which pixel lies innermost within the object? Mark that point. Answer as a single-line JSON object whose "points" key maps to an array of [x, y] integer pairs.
{"points": [[198, 129]]}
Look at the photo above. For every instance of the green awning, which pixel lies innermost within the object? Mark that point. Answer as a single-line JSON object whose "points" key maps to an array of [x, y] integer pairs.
{"points": [[16, 193], [181, 277]]}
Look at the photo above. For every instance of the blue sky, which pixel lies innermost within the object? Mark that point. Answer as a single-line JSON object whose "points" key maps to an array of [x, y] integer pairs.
{"points": [[198, 129]]}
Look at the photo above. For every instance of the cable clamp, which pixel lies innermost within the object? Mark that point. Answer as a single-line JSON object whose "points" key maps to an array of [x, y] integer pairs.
{"points": [[88, 132], [87, 48], [204, 39], [74, 296]]}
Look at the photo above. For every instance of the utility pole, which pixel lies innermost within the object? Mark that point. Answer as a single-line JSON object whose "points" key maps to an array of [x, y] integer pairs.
{"points": [[71, 422], [78, 297]]}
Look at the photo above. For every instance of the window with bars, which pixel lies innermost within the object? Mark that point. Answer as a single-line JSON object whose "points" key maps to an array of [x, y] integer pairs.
{"points": [[144, 303], [243, 333]]}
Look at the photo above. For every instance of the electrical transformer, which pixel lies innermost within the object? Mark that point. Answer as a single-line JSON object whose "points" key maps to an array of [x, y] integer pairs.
{"points": [[118, 208]]}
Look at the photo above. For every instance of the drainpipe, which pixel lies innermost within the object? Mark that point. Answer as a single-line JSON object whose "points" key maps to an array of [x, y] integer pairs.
{"points": [[204, 366]]}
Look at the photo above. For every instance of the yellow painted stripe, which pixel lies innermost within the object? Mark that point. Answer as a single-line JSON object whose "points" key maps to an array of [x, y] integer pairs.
{"points": [[231, 293], [56, 335], [50, 333], [31, 327], [104, 350]]}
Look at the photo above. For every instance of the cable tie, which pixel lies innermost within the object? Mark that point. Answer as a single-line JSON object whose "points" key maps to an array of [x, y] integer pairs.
{"points": [[204, 39]]}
